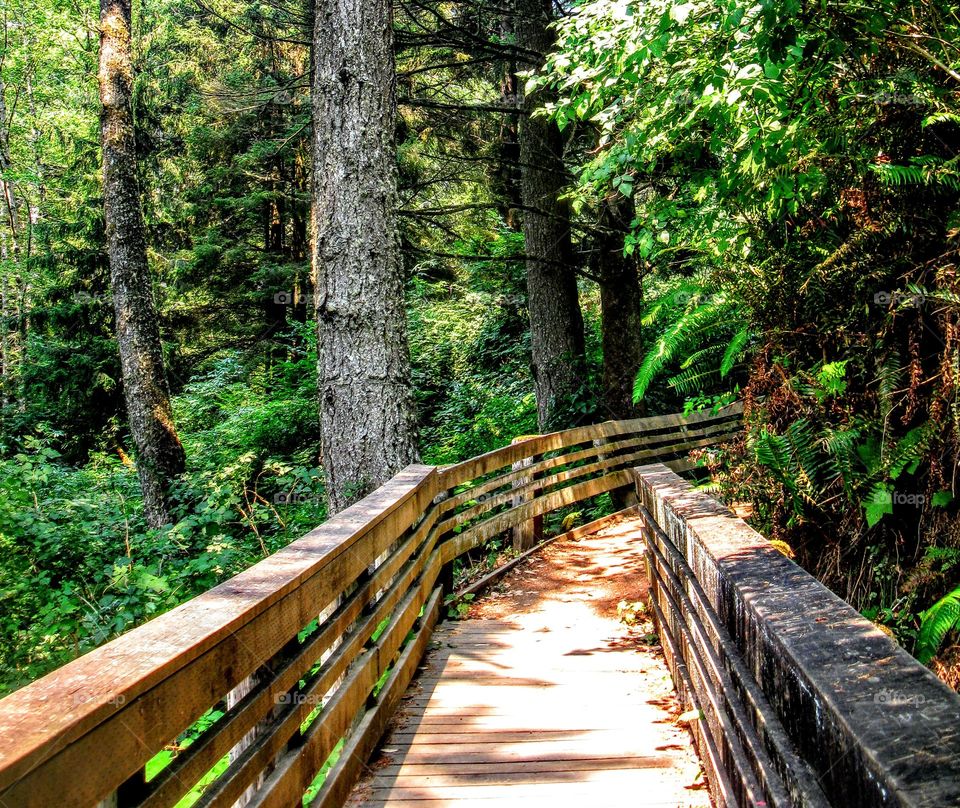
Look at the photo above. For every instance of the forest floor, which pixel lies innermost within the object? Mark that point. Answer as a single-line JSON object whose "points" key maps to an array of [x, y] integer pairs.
{"points": [[552, 691]]}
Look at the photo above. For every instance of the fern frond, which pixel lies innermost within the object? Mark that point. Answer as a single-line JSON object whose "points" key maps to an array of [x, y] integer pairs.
{"points": [[681, 298], [841, 448], [889, 381], [693, 380], [935, 622], [696, 326], [928, 171], [810, 462], [796, 460], [734, 350], [941, 117], [909, 450], [702, 355]]}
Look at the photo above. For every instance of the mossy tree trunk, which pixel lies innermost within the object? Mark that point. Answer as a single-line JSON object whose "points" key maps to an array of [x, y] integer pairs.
{"points": [[160, 455]]}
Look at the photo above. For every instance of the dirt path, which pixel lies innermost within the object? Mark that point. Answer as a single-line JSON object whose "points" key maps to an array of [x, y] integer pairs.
{"points": [[545, 696]]}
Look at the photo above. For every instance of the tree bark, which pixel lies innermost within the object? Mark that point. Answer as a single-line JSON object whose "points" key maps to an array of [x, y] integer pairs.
{"points": [[506, 182], [621, 306], [9, 255], [160, 456], [556, 323], [366, 404]]}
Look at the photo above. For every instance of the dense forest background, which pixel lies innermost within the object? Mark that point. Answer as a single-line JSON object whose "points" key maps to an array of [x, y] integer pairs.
{"points": [[687, 203]]}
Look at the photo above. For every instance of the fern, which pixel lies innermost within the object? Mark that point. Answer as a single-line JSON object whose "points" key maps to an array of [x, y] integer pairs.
{"points": [[734, 350], [697, 336], [927, 171], [935, 622], [909, 451], [941, 117], [692, 380], [711, 352], [841, 448], [796, 460], [889, 381], [678, 298]]}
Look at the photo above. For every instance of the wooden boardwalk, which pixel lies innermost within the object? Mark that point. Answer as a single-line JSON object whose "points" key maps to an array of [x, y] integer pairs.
{"points": [[543, 697]]}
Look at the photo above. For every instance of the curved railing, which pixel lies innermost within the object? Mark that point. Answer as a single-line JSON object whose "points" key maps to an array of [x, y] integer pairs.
{"points": [[289, 671]]}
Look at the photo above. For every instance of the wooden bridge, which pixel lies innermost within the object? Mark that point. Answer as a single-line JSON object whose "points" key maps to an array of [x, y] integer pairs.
{"points": [[276, 687]]}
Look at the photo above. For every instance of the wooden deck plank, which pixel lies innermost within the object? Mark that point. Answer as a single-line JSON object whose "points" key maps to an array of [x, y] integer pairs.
{"points": [[542, 698], [574, 764]]}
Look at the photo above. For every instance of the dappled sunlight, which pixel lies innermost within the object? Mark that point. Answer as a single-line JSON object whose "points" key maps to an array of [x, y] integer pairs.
{"points": [[543, 696]]}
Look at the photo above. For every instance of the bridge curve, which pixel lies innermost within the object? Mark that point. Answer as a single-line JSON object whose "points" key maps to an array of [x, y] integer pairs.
{"points": [[275, 687]]}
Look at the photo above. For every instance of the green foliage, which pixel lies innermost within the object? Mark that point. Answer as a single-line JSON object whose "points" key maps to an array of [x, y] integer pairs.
{"points": [[924, 171], [698, 335], [80, 566], [458, 606], [795, 200], [796, 175], [809, 463], [935, 623], [470, 354], [795, 458]]}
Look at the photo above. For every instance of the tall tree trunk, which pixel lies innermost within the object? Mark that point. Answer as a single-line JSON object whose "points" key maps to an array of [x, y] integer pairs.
{"points": [[621, 305], [9, 248], [556, 323], [160, 456], [366, 405], [6, 372], [17, 248], [506, 182]]}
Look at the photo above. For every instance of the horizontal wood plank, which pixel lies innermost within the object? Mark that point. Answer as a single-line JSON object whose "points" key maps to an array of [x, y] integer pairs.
{"points": [[458, 474]]}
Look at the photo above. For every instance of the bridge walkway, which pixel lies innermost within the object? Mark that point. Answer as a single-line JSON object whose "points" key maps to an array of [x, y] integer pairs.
{"points": [[544, 696]]}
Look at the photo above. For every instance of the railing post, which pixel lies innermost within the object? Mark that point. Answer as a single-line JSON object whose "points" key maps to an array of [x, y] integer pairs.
{"points": [[529, 532], [625, 497]]}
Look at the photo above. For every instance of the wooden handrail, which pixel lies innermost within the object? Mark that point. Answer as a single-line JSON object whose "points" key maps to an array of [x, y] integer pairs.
{"points": [[317, 639]]}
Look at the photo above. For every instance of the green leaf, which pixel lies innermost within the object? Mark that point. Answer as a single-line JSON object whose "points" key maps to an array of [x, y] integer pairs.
{"points": [[879, 503], [935, 623], [941, 499]]}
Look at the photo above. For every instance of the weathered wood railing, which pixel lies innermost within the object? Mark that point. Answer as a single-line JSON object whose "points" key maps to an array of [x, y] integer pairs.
{"points": [[297, 663], [802, 702]]}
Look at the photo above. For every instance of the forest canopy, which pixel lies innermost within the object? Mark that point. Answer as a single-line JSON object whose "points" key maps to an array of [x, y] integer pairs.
{"points": [[230, 306]]}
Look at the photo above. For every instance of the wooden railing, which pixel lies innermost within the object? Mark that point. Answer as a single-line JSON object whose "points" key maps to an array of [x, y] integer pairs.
{"points": [[801, 701], [295, 665]]}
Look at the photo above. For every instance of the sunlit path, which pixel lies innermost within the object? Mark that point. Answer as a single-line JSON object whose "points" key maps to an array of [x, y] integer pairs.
{"points": [[544, 696]]}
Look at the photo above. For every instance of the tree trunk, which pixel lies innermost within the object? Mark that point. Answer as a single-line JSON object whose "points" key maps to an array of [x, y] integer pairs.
{"points": [[160, 456], [9, 252], [621, 305], [366, 405], [505, 181], [556, 323]]}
